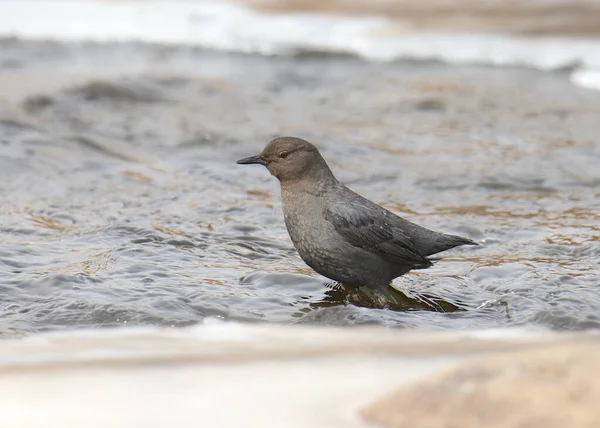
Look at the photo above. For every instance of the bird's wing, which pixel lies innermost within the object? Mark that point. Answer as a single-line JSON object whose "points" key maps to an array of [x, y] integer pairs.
{"points": [[366, 227]]}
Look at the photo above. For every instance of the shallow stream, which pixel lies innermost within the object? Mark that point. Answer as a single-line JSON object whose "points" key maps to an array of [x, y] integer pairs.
{"points": [[121, 203]]}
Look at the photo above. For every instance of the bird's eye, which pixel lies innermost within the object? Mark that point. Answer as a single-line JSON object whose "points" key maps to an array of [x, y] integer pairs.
{"points": [[284, 155]]}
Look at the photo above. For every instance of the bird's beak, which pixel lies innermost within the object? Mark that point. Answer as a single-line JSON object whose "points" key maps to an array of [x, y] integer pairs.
{"points": [[251, 160]]}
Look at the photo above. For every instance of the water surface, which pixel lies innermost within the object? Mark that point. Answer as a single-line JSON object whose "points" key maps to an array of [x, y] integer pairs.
{"points": [[121, 202]]}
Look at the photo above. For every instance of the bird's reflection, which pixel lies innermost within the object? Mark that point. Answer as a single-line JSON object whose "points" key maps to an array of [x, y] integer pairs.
{"points": [[390, 298]]}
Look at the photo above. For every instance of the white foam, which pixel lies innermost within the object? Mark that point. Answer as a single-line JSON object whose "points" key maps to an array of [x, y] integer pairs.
{"points": [[220, 25], [587, 78]]}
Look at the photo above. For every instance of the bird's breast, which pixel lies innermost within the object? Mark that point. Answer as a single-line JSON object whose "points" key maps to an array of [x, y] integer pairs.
{"points": [[306, 225]]}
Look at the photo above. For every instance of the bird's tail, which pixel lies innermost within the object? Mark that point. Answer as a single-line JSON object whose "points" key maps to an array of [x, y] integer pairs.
{"points": [[459, 240], [446, 242]]}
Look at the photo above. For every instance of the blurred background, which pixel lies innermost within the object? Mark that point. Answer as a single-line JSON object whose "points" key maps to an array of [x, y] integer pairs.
{"points": [[120, 124], [124, 218]]}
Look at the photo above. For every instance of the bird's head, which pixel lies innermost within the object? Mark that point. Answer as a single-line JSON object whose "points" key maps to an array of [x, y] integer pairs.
{"points": [[287, 158]]}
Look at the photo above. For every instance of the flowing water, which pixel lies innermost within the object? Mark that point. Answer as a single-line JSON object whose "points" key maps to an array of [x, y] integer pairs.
{"points": [[121, 202]]}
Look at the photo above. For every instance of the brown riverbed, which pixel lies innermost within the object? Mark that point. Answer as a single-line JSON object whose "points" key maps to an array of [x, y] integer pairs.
{"points": [[121, 202], [571, 18]]}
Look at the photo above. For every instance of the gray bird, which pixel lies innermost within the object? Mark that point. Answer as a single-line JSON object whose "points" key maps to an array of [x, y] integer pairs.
{"points": [[337, 232]]}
